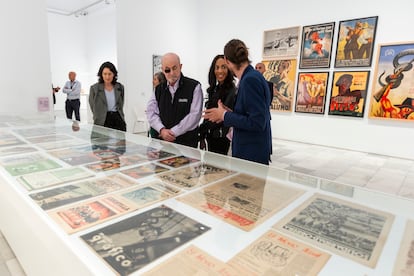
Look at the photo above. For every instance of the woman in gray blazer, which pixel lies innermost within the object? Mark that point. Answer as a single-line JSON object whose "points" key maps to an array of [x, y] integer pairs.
{"points": [[106, 99]]}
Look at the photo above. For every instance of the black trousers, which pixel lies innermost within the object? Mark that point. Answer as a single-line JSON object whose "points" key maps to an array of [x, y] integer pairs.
{"points": [[115, 121], [72, 106], [218, 145]]}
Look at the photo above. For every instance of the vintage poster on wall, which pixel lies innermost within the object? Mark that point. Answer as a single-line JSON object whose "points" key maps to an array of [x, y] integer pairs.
{"points": [[275, 254], [404, 265], [156, 64], [243, 200], [281, 43], [316, 46], [194, 176], [350, 230], [282, 73], [43, 104], [311, 92], [392, 95], [349, 93], [132, 243], [192, 261], [355, 42]]}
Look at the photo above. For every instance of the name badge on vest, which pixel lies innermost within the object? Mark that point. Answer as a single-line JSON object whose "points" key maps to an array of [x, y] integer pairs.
{"points": [[182, 100]]}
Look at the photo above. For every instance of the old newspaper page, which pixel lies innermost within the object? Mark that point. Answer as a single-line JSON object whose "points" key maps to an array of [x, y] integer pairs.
{"points": [[128, 245], [79, 191], [40, 180], [192, 261], [243, 200], [276, 255], [344, 228], [86, 214], [404, 266], [82, 215], [194, 176]]}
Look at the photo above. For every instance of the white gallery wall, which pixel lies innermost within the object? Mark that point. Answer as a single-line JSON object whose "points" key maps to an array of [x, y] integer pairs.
{"points": [[198, 30], [145, 29], [68, 51], [81, 44], [24, 55]]}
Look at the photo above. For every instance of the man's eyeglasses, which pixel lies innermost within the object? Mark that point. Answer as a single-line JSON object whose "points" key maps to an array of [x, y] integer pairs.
{"points": [[168, 70]]}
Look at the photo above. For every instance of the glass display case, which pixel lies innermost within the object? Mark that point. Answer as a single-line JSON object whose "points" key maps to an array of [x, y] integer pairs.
{"points": [[78, 199]]}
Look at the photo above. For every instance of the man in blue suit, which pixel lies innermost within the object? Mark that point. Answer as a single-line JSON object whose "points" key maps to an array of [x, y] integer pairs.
{"points": [[250, 119]]}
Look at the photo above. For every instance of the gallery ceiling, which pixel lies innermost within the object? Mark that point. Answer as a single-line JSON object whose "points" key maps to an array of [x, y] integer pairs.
{"points": [[76, 7]]}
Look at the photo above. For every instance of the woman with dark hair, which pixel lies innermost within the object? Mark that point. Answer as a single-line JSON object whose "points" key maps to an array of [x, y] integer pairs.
{"points": [[221, 88], [158, 78], [106, 99], [250, 118]]}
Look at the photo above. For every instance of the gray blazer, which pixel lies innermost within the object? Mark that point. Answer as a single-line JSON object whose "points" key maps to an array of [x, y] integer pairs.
{"points": [[98, 103]]}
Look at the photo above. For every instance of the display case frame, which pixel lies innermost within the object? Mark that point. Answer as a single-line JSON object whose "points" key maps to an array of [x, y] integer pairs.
{"points": [[44, 248]]}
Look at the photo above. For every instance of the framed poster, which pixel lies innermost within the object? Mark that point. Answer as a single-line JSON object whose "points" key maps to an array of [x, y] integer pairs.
{"points": [[311, 92], [156, 64], [392, 95], [355, 42], [282, 73], [348, 93], [281, 43], [316, 46]]}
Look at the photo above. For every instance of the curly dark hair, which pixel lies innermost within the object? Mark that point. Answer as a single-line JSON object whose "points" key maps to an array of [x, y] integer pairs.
{"points": [[236, 52], [212, 80], [111, 67]]}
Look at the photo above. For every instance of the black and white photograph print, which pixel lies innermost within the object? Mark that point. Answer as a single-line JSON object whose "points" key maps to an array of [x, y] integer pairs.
{"points": [[281, 43], [132, 243], [156, 64], [350, 230]]}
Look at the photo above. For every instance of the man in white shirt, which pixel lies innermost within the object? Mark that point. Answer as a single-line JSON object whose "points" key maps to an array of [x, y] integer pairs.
{"points": [[73, 89]]}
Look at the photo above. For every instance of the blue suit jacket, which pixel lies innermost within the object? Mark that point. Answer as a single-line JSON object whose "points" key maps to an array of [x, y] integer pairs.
{"points": [[250, 119]]}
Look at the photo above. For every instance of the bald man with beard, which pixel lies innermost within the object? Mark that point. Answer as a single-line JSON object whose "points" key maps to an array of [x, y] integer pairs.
{"points": [[174, 110]]}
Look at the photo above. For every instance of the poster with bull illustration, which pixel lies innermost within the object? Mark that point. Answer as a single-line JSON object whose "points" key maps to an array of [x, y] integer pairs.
{"points": [[392, 95]]}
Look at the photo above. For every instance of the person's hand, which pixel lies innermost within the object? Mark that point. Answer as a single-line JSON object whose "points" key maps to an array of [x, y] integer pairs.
{"points": [[224, 106], [216, 115], [167, 135]]}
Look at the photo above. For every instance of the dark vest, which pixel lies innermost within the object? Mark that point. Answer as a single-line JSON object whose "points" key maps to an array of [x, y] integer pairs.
{"points": [[172, 112]]}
